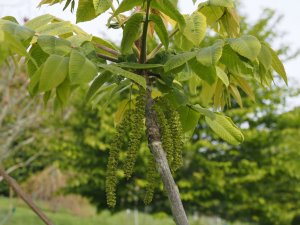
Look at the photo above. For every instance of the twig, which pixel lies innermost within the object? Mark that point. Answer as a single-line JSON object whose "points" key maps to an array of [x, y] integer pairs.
{"points": [[107, 57], [109, 50], [16, 187]]}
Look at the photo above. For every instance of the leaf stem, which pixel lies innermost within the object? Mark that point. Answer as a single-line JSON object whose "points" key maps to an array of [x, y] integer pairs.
{"points": [[143, 55]]}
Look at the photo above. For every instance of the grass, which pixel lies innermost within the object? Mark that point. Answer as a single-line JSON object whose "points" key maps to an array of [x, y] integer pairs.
{"points": [[22, 215]]}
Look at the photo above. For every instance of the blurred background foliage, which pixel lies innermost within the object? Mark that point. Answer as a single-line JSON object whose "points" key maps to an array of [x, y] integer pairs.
{"points": [[258, 181]]}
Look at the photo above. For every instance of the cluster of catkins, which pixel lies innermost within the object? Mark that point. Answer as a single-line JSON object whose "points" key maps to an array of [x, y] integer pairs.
{"points": [[132, 126]]}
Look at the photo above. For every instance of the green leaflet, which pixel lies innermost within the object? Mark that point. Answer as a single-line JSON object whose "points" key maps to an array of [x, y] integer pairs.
{"points": [[131, 65], [97, 83], [277, 64], [101, 6], [189, 118], [63, 91], [49, 2], [206, 73], [55, 70], [39, 57], [178, 60], [195, 28], [58, 28], [127, 5], [160, 29], [85, 11], [265, 57], [14, 29], [210, 55], [81, 69], [234, 63], [223, 3], [14, 44], [54, 45], [225, 128], [39, 21], [222, 76], [124, 73], [212, 14], [168, 8], [34, 81], [247, 46], [131, 32]]}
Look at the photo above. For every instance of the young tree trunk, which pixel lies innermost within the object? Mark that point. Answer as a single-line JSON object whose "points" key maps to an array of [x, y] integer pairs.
{"points": [[14, 185], [155, 145]]}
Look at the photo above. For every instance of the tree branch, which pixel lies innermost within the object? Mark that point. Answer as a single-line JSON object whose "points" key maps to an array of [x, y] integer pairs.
{"points": [[154, 138], [15, 186], [107, 49]]}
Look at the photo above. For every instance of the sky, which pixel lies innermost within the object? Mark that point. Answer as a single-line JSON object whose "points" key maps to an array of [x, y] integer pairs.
{"points": [[290, 23]]}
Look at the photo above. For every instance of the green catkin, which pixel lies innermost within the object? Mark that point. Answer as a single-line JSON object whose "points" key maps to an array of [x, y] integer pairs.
{"points": [[177, 134], [173, 119], [136, 135], [152, 179], [166, 135], [112, 165]]}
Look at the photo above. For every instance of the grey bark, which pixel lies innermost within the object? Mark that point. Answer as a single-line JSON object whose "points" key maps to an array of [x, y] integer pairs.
{"points": [[155, 145]]}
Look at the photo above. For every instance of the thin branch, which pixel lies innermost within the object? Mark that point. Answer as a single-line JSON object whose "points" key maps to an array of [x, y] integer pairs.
{"points": [[107, 57], [107, 49], [16, 187], [158, 47], [22, 164]]}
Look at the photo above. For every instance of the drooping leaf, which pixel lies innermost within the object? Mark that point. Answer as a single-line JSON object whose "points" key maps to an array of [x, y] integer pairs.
{"points": [[20, 32], [160, 29], [225, 129], [277, 64], [236, 94], [206, 73], [168, 8], [58, 28], [210, 55], [245, 86], [189, 118], [178, 60], [247, 46], [101, 6], [54, 72], [14, 45], [97, 83], [124, 73], [123, 107], [222, 76], [131, 32], [63, 91], [203, 111], [212, 14], [39, 21], [127, 5], [234, 63], [195, 28], [81, 69], [85, 11], [54, 45], [265, 57], [34, 82], [39, 57]]}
